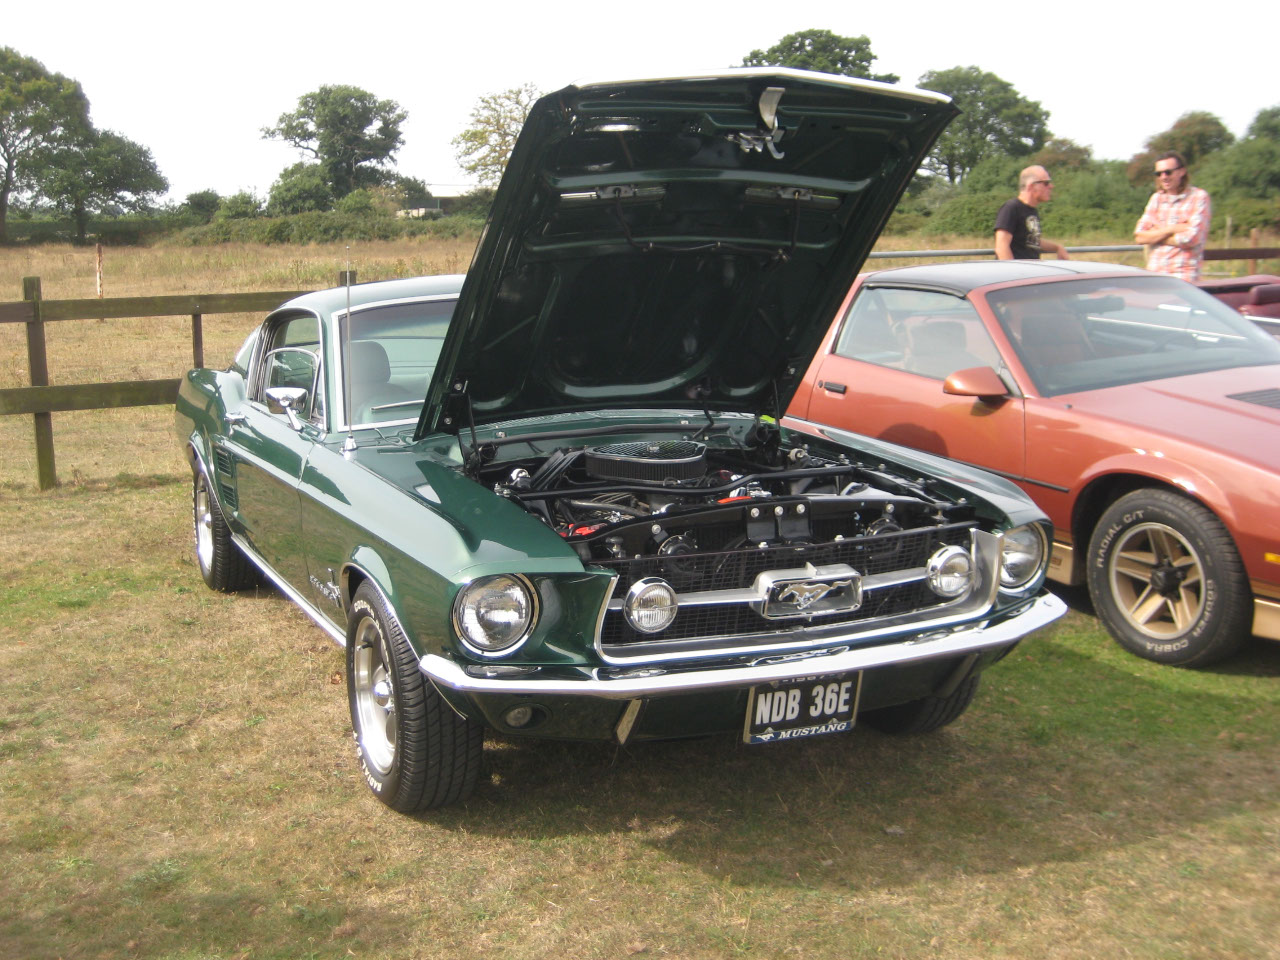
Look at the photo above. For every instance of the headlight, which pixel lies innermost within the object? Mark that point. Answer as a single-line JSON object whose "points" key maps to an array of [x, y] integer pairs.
{"points": [[493, 614], [650, 605], [950, 572], [1022, 556]]}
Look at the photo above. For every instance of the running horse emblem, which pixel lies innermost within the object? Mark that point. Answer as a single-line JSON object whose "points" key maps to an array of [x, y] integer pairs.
{"points": [[805, 595]]}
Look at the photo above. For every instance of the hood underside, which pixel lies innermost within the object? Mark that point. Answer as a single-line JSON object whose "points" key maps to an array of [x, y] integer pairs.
{"points": [[676, 243]]}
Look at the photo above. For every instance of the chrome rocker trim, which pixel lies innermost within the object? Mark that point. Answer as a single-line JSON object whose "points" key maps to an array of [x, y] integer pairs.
{"points": [[647, 681]]}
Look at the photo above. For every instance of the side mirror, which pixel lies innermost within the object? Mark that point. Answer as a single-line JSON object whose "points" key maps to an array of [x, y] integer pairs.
{"points": [[287, 400], [982, 382]]}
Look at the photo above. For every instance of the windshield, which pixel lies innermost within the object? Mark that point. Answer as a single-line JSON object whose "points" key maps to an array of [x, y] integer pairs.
{"points": [[1088, 334], [391, 351]]}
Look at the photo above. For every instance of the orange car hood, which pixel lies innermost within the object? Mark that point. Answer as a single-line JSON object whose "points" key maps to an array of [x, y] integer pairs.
{"points": [[1228, 412]]}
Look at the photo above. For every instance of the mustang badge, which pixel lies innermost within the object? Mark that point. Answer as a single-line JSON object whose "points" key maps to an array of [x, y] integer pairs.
{"points": [[805, 595]]}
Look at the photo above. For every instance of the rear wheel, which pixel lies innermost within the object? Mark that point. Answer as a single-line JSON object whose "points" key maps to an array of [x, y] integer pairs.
{"points": [[415, 751], [1167, 581], [221, 563], [922, 716]]}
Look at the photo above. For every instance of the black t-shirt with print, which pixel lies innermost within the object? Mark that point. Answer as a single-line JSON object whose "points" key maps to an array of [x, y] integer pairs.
{"points": [[1023, 221]]}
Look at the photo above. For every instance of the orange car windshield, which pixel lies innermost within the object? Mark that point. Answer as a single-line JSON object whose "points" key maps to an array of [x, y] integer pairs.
{"points": [[1089, 334]]}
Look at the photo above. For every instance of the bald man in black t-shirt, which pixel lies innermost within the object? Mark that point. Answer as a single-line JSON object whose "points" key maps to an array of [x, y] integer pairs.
{"points": [[1018, 234]]}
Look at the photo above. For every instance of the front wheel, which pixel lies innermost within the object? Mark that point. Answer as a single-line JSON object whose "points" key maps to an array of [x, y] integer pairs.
{"points": [[415, 751], [1166, 580], [927, 714], [221, 563]]}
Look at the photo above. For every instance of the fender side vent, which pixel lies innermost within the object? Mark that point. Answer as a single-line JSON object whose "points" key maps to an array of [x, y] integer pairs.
{"points": [[223, 467], [1264, 398]]}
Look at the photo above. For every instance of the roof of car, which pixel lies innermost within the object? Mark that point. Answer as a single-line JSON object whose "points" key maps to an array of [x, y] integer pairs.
{"points": [[964, 276], [334, 300]]}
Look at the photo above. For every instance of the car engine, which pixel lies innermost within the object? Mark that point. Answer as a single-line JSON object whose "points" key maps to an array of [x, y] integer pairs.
{"points": [[713, 523]]}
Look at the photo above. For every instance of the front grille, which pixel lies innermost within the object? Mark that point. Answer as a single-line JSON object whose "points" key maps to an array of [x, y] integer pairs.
{"points": [[738, 569]]}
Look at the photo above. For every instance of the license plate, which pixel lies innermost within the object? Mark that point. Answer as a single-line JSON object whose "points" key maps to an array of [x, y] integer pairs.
{"points": [[807, 707]]}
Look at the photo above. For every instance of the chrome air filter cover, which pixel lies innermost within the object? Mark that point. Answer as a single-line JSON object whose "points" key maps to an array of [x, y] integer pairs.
{"points": [[656, 461]]}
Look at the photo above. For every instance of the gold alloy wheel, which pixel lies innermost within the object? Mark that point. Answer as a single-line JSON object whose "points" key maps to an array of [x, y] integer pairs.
{"points": [[1157, 580]]}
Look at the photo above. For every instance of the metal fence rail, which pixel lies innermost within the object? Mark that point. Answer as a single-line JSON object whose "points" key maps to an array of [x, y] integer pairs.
{"points": [[1228, 253]]}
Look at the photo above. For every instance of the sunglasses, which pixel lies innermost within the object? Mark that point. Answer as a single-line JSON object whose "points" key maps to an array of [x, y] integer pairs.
{"points": [[1167, 173], [1047, 183]]}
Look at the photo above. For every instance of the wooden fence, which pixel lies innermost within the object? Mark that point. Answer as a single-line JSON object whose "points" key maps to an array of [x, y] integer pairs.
{"points": [[41, 400]]}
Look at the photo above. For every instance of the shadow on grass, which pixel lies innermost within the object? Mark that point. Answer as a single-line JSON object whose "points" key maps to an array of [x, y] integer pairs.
{"points": [[1063, 756]]}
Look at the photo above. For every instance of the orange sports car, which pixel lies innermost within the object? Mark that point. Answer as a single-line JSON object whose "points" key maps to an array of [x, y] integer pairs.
{"points": [[1141, 413]]}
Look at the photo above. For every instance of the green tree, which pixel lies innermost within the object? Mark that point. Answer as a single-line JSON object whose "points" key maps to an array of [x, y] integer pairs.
{"points": [[1195, 135], [239, 206], [411, 192], [1250, 168], [823, 51], [996, 119], [350, 133], [1059, 153], [482, 150], [1266, 125], [38, 111], [98, 172], [298, 189], [202, 204], [474, 204]]}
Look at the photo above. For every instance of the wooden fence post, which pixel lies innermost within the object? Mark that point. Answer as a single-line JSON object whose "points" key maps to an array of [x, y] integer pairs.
{"points": [[1253, 242], [38, 370], [197, 340]]}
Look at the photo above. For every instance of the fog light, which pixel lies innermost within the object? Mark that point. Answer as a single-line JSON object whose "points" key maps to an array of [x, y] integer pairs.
{"points": [[520, 716], [950, 572], [650, 605]]}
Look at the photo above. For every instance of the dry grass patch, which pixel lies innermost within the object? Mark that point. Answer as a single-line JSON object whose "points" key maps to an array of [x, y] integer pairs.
{"points": [[177, 781]]}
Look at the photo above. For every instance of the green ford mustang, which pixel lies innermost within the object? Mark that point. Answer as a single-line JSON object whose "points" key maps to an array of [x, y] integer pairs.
{"points": [[552, 499]]}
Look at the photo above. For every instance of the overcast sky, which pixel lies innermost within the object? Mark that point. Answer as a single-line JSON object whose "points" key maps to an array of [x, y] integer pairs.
{"points": [[196, 83]]}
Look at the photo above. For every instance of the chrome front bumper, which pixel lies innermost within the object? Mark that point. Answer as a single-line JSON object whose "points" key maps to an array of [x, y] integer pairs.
{"points": [[639, 681]]}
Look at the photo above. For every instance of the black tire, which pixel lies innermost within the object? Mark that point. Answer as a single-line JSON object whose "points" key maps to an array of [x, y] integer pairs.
{"points": [[414, 750], [922, 716], [1166, 580], [221, 563]]}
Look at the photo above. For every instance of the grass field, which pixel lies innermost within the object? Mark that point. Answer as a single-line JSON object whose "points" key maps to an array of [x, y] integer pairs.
{"points": [[177, 778]]}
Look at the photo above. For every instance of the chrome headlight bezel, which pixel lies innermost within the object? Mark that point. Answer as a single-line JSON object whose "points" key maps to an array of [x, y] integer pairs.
{"points": [[1024, 558], [468, 615]]}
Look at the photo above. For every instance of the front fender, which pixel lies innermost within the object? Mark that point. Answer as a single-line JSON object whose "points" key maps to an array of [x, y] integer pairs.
{"points": [[1167, 472]]}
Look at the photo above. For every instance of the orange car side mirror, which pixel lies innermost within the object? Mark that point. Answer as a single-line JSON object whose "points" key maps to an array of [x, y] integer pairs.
{"points": [[975, 382]]}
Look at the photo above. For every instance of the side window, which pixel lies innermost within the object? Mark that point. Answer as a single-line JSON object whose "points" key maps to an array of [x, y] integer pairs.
{"points": [[240, 364], [920, 331], [869, 333], [292, 359], [390, 352]]}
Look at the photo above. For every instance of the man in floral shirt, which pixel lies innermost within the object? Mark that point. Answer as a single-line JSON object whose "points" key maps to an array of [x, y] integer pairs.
{"points": [[1175, 224]]}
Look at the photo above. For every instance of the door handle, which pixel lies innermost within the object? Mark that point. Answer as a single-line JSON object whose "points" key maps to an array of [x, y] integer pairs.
{"points": [[833, 387]]}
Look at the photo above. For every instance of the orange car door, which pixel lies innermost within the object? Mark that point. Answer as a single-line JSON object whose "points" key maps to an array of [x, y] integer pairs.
{"points": [[884, 376]]}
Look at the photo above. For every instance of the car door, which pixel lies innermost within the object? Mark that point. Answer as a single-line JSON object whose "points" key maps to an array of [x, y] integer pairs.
{"points": [[269, 451], [883, 376]]}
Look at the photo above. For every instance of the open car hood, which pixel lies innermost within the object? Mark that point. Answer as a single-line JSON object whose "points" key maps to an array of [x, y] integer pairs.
{"points": [[676, 242]]}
